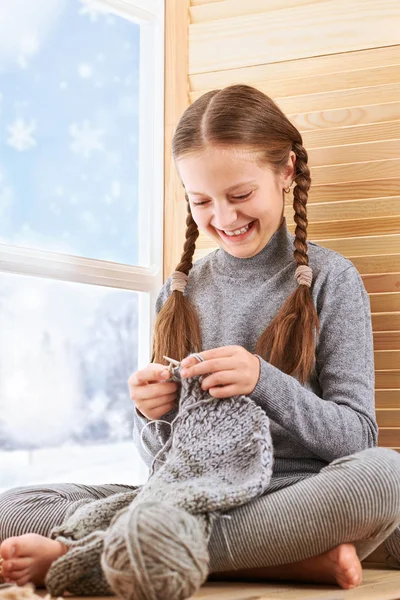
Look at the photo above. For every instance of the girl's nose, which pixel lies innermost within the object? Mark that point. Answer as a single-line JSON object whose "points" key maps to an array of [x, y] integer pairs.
{"points": [[225, 217]]}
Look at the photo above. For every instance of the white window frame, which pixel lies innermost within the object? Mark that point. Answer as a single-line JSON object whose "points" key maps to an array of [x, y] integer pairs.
{"points": [[26, 261]]}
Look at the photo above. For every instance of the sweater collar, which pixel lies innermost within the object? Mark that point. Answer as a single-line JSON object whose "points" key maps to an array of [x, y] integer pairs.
{"points": [[276, 254]]}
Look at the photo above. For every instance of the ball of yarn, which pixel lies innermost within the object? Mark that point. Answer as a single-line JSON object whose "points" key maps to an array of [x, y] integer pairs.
{"points": [[155, 551]]}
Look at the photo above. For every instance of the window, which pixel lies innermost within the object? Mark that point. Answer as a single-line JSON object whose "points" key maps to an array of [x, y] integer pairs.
{"points": [[81, 214]]}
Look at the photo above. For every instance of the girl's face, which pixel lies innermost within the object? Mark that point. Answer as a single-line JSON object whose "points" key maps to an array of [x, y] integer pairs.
{"points": [[228, 191]]}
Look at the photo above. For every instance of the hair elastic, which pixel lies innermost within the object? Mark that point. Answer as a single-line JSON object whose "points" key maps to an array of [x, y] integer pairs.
{"points": [[304, 275], [179, 281]]}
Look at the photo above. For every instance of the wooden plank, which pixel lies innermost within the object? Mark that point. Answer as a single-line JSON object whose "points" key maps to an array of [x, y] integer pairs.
{"points": [[386, 322], [376, 264], [337, 64], [362, 246], [378, 169], [254, 39], [350, 153], [176, 101], [205, 11], [387, 340], [382, 282], [352, 190], [387, 360], [387, 417], [351, 135], [346, 117], [389, 302], [326, 230], [333, 100], [348, 209], [387, 398], [389, 437], [313, 84], [387, 380]]}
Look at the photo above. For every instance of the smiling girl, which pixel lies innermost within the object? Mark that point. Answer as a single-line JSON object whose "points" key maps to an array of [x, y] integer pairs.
{"points": [[283, 321]]}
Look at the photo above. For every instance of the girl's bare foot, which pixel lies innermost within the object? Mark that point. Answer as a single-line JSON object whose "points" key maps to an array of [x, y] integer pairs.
{"points": [[340, 565], [27, 558]]}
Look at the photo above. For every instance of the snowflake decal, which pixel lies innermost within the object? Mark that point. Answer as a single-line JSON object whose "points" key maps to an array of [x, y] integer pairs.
{"points": [[21, 135], [85, 139], [91, 8]]}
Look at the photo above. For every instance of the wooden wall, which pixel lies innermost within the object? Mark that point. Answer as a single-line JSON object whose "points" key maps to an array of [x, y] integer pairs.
{"points": [[334, 68]]}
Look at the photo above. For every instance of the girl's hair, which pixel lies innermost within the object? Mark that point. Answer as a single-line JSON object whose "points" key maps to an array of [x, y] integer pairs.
{"points": [[242, 116]]}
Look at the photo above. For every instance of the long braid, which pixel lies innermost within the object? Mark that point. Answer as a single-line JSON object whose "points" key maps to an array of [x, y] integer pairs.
{"points": [[300, 197], [189, 247], [289, 340], [177, 329]]}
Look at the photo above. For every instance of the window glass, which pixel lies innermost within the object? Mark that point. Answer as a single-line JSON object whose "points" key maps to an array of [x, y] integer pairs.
{"points": [[69, 92], [66, 353]]}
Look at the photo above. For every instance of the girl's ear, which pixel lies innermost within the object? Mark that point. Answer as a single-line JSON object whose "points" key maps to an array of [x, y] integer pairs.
{"points": [[289, 171]]}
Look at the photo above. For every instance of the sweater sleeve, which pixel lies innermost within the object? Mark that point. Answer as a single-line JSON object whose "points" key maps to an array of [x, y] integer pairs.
{"points": [[341, 420], [155, 436]]}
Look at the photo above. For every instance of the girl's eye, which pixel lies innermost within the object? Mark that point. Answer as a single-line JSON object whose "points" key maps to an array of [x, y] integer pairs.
{"points": [[243, 196]]}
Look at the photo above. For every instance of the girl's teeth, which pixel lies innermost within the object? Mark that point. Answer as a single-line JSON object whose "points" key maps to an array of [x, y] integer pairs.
{"points": [[238, 231]]}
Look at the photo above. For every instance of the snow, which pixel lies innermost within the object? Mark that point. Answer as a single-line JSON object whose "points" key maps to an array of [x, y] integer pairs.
{"points": [[91, 465], [21, 134], [86, 139]]}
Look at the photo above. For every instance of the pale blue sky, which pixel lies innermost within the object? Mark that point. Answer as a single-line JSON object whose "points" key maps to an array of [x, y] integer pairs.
{"points": [[69, 125]]}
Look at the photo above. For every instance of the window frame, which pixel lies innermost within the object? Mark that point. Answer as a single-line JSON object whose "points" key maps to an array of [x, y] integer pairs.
{"points": [[149, 14]]}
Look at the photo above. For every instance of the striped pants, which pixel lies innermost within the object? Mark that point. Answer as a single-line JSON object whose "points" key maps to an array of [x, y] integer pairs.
{"points": [[354, 499]]}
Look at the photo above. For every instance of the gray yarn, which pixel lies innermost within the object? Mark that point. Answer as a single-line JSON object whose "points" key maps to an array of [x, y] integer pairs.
{"points": [[218, 456], [155, 551]]}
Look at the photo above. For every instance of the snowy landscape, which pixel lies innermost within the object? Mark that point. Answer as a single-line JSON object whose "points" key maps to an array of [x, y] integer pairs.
{"points": [[69, 77]]}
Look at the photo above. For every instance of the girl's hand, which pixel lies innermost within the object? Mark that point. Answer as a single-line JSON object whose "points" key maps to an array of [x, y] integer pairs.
{"points": [[152, 394], [232, 367]]}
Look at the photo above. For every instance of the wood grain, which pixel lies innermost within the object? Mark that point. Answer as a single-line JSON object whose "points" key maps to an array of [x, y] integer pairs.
{"points": [[360, 171], [176, 101], [377, 264], [389, 437], [242, 40], [387, 340], [348, 209], [356, 134], [388, 225], [353, 190], [388, 380], [386, 322], [387, 360], [382, 282], [332, 72], [387, 417], [387, 302], [346, 117], [387, 398], [354, 153]]}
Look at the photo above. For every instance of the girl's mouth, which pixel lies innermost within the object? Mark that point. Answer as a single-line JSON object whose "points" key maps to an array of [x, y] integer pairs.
{"points": [[234, 237]]}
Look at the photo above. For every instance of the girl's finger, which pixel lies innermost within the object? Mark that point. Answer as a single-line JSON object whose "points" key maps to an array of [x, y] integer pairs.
{"points": [[156, 402], [153, 390], [208, 366], [220, 378], [223, 392]]}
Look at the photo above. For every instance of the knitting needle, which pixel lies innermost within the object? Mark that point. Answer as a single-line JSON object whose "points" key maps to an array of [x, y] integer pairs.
{"points": [[172, 362]]}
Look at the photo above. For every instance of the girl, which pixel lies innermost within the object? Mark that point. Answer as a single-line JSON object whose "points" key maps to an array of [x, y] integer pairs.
{"points": [[284, 322]]}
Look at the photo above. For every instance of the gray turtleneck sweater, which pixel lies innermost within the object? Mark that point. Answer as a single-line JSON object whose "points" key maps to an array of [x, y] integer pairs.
{"points": [[334, 414]]}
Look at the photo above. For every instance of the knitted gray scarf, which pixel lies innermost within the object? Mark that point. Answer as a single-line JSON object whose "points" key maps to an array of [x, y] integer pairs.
{"points": [[218, 456]]}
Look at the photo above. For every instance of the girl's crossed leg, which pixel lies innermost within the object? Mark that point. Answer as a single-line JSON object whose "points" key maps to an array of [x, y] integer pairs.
{"points": [[316, 530]]}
